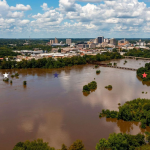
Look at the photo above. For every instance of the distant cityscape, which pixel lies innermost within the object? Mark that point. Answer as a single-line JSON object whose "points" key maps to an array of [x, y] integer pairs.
{"points": [[62, 49]]}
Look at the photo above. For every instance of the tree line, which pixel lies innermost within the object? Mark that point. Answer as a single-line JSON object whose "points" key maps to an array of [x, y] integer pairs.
{"points": [[59, 63], [115, 142], [138, 53]]}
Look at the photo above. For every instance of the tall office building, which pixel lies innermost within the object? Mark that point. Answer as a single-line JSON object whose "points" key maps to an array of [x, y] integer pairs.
{"points": [[100, 39], [95, 40], [56, 41], [68, 41]]}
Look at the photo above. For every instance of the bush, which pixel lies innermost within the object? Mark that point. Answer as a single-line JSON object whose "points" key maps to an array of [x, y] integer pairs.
{"points": [[110, 64], [34, 145], [108, 87], [77, 145], [121, 142], [6, 80], [96, 66], [24, 82], [12, 76], [11, 81], [92, 85], [115, 64], [17, 74], [98, 71], [86, 88], [146, 107], [143, 123]]}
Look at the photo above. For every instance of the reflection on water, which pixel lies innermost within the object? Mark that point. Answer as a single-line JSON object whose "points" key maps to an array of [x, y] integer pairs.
{"points": [[143, 82], [129, 127], [56, 110]]}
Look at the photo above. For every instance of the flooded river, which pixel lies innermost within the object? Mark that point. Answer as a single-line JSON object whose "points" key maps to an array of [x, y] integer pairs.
{"points": [[56, 110]]}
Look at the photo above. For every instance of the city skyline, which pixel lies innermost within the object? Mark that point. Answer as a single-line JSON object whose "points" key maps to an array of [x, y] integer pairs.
{"points": [[74, 19]]}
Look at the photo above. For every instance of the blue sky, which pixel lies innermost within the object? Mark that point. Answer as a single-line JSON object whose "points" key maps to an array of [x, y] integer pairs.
{"points": [[74, 18]]}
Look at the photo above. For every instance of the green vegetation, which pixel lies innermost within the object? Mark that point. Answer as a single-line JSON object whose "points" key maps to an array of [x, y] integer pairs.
{"points": [[98, 71], [91, 86], [16, 74], [59, 63], [143, 92], [121, 142], [110, 64], [135, 110], [24, 82], [96, 66], [40, 145], [11, 82], [12, 76], [138, 53], [108, 87], [125, 61], [6, 52], [6, 80], [145, 69], [115, 64], [144, 147]]}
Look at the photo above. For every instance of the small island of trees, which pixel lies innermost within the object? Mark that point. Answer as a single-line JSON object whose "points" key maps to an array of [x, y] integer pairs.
{"points": [[109, 87], [91, 86], [98, 71], [145, 69], [135, 110]]}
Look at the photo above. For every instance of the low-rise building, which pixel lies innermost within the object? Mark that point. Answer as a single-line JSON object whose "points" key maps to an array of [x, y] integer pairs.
{"points": [[122, 42], [92, 45]]}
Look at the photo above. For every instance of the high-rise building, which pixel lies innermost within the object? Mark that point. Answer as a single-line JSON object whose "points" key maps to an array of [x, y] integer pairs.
{"points": [[106, 40], [113, 41], [56, 41], [100, 39], [68, 41], [95, 40], [51, 42]]}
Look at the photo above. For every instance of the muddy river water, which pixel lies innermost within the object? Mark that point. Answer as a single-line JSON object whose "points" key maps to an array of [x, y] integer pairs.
{"points": [[56, 110]]}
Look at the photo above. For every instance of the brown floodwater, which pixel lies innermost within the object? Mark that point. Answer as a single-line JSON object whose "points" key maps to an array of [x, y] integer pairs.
{"points": [[56, 110]]}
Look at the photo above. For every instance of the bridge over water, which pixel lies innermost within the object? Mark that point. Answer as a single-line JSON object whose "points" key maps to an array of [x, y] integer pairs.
{"points": [[106, 65], [133, 57]]}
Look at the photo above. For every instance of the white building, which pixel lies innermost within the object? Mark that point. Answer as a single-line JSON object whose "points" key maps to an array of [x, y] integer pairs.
{"points": [[68, 41]]}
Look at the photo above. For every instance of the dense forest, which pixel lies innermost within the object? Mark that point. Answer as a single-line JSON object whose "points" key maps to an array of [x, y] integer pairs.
{"points": [[145, 69], [138, 53], [115, 142], [59, 63], [25, 47], [135, 110]]}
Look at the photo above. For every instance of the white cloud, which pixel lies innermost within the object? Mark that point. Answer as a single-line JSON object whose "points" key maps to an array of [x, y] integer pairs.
{"points": [[45, 7], [15, 14], [124, 16], [21, 7]]}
